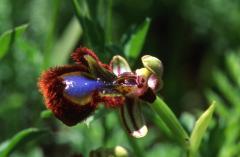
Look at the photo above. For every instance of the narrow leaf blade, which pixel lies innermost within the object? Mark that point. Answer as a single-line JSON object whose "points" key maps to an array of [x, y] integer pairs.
{"points": [[233, 65], [229, 91], [200, 129], [134, 42], [8, 37], [93, 34], [19, 139], [66, 43]]}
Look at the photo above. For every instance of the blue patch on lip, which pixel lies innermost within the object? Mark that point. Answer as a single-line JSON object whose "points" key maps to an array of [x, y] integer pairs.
{"points": [[79, 86]]}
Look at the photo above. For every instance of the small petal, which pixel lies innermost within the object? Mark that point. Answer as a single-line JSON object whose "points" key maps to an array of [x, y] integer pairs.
{"points": [[88, 58], [98, 71], [153, 64], [78, 56], [132, 118], [155, 83], [52, 86], [119, 65]]}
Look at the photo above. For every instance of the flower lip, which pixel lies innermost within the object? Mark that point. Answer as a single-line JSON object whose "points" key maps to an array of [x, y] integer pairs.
{"points": [[74, 92], [79, 86], [52, 85]]}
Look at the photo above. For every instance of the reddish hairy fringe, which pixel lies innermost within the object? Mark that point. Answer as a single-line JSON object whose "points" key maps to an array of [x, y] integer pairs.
{"points": [[113, 102], [52, 86], [78, 57]]}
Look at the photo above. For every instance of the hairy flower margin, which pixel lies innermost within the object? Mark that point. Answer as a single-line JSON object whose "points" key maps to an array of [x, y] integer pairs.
{"points": [[73, 92]]}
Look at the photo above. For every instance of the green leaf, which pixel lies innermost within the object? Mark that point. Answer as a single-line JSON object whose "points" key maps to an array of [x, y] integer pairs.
{"points": [[51, 32], [66, 43], [229, 91], [8, 37], [93, 34], [19, 140], [105, 17], [233, 66], [200, 128], [171, 121], [134, 41]]}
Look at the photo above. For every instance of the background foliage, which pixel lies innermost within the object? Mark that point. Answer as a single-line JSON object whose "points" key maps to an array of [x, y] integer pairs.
{"points": [[197, 41]]}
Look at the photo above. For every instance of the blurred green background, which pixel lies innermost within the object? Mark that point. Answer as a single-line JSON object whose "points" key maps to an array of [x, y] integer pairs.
{"points": [[197, 41]]}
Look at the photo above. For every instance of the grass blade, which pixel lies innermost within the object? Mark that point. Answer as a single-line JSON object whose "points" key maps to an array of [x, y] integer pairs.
{"points": [[229, 91], [199, 129], [66, 43], [93, 34], [233, 66], [8, 37], [18, 140], [134, 41]]}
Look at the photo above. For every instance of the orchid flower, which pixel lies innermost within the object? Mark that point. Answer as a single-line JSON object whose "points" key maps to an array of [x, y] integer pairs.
{"points": [[73, 92]]}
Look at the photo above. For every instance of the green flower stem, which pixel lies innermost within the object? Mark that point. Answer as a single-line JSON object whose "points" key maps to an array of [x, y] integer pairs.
{"points": [[169, 118]]}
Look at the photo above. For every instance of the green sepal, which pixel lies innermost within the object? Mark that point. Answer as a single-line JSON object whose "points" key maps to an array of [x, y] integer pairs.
{"points": [[97, 70], [153, 64]]}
